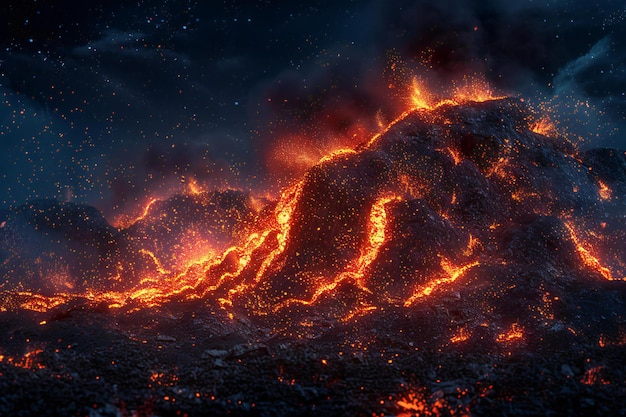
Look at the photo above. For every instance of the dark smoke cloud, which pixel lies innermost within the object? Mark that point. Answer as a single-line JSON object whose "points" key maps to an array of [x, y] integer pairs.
{"points": [[111, 102]]}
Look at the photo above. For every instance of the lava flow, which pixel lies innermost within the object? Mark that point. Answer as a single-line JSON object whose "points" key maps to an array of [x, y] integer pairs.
{"points": [[465, 224], [400, 219]]}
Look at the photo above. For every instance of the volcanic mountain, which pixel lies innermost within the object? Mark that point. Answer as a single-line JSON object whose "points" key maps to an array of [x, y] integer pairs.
{"points": [[460, 228]]}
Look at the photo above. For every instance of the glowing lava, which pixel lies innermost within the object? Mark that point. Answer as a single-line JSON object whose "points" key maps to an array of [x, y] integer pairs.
{"points": [[587, 257], [124, 222], [376, 237], [515, 333], [452, 274], [456, 173], [471, 88]]}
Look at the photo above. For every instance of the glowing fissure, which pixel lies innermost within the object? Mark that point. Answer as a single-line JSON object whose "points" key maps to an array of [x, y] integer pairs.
{"points": [[376, 234], [356, 271], [587, 257], [335, 154], [199, 276], [283, 216], [124, 223], [243, 254], [205, 273], [452, 274], [157, 261]]}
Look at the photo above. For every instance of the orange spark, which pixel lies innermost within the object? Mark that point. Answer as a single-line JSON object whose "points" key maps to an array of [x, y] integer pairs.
{"points": [[420, 97], [474, 89], [157, 261], [416, 403], [27, 361], [593, 376], [472, 245], [604, 191]]}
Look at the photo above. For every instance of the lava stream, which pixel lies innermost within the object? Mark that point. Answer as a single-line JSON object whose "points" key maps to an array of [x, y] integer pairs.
{"points": [[357, 269]]}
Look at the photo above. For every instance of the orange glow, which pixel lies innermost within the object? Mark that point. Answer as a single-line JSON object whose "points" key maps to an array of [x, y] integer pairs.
{"points": [[461, 336], [452, 274], [471, 88], [40, 303], [593, 376], [587, 257], [514, 334], [124, 221], [284, 211], [456, 155], [474, 89], [420, 97], [195, 270], [499, 169], [356, 271], [335, 154], [409, 188], [358, 312], [604, 191], [27, 361], [295, 154], [473, 244], [192, 187], [544, 126], [416, 403], [376, 232], [257, 204]]}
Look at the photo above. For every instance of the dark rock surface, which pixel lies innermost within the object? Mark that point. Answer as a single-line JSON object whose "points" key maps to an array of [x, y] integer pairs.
{"points": [[52, 246], [48, 246], [497, 289]]}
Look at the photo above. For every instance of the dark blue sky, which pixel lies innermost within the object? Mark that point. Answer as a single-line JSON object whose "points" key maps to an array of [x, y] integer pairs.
{"points": [[111, 102]]}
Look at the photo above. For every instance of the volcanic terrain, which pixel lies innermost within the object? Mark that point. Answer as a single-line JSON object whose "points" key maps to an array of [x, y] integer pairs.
{"points": [[464, 261]]}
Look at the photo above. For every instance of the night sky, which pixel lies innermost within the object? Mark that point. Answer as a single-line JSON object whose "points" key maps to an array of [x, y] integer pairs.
{"points": [[110, 103]]}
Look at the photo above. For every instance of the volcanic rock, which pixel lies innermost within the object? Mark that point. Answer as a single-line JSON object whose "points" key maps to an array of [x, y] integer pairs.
{"points": [[52, 246], [457, 264], [463, 200], [185, 226]]}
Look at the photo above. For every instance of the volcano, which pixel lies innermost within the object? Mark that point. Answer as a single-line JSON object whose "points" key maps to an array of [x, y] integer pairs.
{"points": [[461, 262]]}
